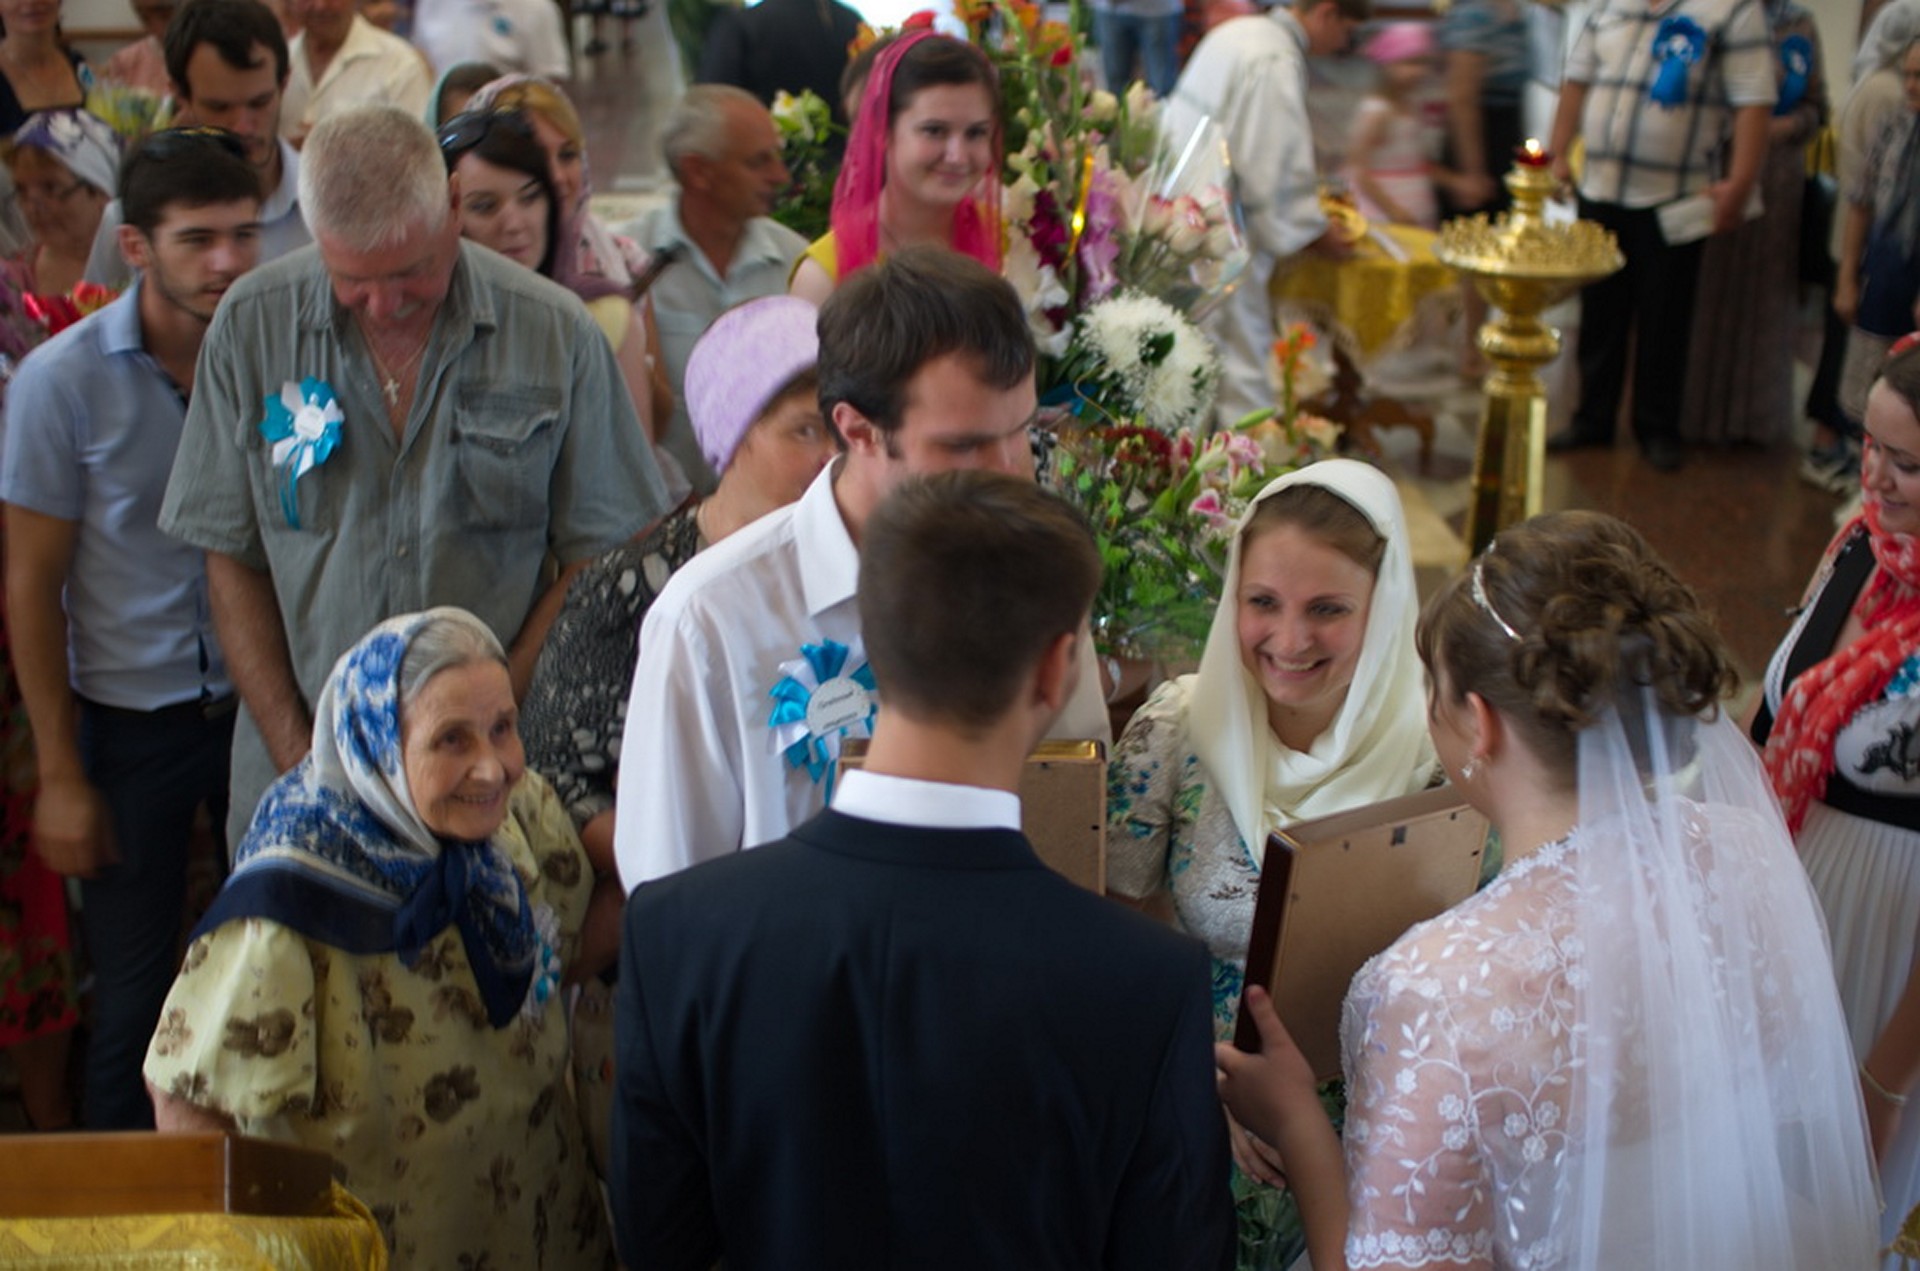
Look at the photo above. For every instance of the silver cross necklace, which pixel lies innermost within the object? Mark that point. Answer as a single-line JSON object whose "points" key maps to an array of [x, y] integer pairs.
{"points": [[391, 386]]}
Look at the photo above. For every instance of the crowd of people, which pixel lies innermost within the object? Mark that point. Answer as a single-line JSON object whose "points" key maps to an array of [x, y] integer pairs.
{"points": [[477, 582]]}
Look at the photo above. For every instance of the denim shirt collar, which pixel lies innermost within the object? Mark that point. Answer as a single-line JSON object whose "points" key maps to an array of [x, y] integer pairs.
{"points": [[465, 305]]}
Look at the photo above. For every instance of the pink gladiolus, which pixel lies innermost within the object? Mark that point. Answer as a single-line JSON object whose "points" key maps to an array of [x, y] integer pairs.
{"points": [[1242, 451], [1210, 509], [1099, 249]]}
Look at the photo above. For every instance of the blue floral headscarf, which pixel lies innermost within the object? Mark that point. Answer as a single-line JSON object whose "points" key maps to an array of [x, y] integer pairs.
{"points": [[338, 853]]}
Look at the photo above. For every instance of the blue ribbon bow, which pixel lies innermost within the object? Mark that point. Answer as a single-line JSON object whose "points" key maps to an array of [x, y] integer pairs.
{"points": [[791, 696], [303, 423], [1796, 67], [1677, 44]]}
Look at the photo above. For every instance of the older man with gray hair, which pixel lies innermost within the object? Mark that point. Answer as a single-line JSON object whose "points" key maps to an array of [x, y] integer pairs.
{"points": [[721, 146], [389, 420]]}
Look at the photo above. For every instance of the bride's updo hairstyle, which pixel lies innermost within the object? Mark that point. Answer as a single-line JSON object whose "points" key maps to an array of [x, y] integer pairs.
{"points": [[1561, 615]]}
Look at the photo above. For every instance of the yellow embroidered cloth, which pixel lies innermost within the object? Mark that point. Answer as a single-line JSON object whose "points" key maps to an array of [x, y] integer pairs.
{"points": [[1370, 294], [348, 1239]]}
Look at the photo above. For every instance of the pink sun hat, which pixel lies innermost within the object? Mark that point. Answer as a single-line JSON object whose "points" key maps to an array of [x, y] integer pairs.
{"points": [[1399, 41], [746, 357]]}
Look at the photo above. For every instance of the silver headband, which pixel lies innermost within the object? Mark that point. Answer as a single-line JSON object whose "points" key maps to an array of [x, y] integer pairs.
{"points": [[1480, 598]]}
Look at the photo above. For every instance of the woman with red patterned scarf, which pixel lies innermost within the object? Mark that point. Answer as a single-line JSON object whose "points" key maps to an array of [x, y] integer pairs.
{"points": [[1840, 720], [922, 166]]}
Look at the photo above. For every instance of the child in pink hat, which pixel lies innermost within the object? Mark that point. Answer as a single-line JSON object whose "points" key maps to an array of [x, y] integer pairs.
{"points": [[1390, 152]]}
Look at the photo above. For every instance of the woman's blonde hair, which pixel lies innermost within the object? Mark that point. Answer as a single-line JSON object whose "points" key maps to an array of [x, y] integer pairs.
{"points": [[540, 98]]}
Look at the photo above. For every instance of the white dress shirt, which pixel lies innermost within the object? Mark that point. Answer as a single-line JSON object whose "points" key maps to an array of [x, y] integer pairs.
{"points": [[702, 772], [372, 67], [925, 805], [525, 36], [1249, 75]]}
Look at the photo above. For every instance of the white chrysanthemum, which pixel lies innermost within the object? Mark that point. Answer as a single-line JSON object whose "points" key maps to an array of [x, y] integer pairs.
{"points": [[1163, 368]]}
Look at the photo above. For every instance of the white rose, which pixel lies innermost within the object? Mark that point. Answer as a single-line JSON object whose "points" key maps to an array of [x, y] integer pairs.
{"points": [[1103, 107]]}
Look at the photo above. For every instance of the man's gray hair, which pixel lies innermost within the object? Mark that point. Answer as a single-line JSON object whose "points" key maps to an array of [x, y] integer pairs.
{"points": [[370, 176], [698, 123]]}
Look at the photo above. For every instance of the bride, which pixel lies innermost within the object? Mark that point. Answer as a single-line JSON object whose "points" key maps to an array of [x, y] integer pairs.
{"points": [[1628, 1050]]}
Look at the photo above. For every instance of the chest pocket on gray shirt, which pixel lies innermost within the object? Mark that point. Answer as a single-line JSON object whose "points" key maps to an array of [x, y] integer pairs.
{"points": [[504, 442]]}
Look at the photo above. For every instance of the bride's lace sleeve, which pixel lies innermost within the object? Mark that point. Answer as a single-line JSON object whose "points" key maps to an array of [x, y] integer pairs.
{"points": [[1458, 1060], [1420, 1193]]}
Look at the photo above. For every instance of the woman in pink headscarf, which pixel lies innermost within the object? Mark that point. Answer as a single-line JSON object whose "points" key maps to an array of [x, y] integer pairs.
{"points": [[922, 166]]}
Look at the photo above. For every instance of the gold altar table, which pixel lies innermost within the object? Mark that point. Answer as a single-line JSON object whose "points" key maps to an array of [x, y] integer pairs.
{"points": [[1370, 295], [348, 1239]]}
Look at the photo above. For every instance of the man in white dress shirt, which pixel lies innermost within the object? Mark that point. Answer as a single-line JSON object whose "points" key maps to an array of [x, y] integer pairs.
{"points": [[1249, 75], [926, 365], [341, 60]]}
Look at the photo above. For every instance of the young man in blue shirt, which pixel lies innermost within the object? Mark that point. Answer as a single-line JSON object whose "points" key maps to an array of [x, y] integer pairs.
{"points": [[112, 634]]}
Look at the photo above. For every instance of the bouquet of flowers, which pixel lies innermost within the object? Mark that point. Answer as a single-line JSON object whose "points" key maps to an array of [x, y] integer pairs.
{"points": [[1161, 495], [807, 131], [132, 113], [58, 312]]}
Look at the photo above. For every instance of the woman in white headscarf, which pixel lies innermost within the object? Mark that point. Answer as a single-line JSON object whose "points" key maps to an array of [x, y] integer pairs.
{"points": [[1627, 1050], [1308, 701]]}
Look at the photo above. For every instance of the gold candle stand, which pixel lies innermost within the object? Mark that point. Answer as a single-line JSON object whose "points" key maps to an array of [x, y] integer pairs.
{"points": [[1523, 266]]}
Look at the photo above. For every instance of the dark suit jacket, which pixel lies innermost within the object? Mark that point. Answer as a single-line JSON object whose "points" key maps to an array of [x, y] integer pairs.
{"points": [[873, 1046]]}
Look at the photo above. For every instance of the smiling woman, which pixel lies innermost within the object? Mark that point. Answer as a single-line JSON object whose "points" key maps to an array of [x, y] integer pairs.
{"points": [[1308, 701], [1839, 717], [922, 166], [379, 977]]}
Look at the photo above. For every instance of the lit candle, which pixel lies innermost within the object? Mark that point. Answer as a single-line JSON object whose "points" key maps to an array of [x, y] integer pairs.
{"points": [[1531, 154]]}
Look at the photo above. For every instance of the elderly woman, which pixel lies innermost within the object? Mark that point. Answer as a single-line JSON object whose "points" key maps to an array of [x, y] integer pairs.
{"points": [[751, 393], [378, 978], [64, 165]]}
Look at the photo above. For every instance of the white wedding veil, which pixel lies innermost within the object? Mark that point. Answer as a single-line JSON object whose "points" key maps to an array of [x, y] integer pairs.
{"points": [[1716, 1116]]}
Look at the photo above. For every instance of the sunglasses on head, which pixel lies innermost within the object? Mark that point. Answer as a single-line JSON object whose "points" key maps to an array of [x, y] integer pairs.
{"points": [[471, 127]]}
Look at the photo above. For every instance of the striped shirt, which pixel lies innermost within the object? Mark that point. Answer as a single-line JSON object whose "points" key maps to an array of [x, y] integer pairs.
{"points": [[1639, 153]]}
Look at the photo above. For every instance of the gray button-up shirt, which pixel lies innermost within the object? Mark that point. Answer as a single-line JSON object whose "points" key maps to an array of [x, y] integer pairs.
{"points": [[521, 442], [691, 294]]}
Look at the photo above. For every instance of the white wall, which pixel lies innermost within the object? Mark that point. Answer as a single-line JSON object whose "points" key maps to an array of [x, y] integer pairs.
{"points": [[83, 17]]}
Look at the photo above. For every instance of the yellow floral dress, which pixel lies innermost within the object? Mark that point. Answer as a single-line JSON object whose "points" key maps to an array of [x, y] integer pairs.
{"points": [[461, 1138]]}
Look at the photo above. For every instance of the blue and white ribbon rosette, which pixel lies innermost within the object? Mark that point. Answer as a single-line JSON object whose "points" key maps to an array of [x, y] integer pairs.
{"points": [[817, 701], [303, 423], [1796, 68], [1677, 44]]}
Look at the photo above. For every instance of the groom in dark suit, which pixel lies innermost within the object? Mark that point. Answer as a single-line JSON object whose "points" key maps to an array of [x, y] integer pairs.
{"points": [[895, 1038]]}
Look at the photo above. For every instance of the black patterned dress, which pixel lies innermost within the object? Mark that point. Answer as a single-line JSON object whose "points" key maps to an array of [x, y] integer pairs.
{"points": [[576, 709]]}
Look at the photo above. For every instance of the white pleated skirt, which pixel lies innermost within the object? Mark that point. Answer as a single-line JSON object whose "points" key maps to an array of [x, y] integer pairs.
{"points": [[1867, 875]]}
